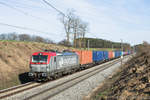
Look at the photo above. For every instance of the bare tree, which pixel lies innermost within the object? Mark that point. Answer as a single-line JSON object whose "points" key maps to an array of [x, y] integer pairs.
{"points": [[67, 22], [12, 36], [47, 40], [64, 42], [39, 39], [83, 29], [24, 37], [2, 36], [75, 26]]}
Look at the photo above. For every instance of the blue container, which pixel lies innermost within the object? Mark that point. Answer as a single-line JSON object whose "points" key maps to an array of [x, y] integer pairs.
{"points": [[120, 53], [98, 56], [129, 52], [117, 54], [106, 56]]}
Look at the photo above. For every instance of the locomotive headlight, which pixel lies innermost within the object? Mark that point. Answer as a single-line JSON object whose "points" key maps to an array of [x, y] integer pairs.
{"points": [[30, 74]]}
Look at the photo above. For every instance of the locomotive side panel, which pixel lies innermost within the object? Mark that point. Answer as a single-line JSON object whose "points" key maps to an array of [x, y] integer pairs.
{"points": [[65, 61]]}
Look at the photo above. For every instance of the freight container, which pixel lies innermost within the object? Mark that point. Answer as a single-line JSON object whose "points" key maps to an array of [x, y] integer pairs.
{"points": [[85, 56], [125, 53], [120, 53], [129, 52], [113, 54], [98, 56], [117, 54], [105, 53], [110, 53]]}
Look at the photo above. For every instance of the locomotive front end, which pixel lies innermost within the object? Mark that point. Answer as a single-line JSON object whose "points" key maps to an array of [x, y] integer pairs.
{"points": [[39, 65]]}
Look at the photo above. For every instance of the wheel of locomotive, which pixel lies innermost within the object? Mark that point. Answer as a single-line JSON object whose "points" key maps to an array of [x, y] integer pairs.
{"points": [[50, 78], [59, 75], [69, 72], [74, 70], [56, 76]]}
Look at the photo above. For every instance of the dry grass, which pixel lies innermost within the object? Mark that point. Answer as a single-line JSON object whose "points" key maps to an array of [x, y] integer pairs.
{"points": [[14, 59], [15, 56]]}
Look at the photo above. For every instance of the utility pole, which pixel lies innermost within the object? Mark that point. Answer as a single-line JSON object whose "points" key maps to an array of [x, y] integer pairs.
{"points": [[134, 49], [88, 44], [112, 47], [121, 51], [122, 46]]}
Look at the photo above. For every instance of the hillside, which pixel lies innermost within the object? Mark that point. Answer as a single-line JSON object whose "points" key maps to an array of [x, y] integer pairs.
{"points": [[14, 60], [132, 82]]}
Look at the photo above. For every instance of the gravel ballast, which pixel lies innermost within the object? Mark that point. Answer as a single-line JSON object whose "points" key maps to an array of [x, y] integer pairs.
{"points": [[78, 91]]}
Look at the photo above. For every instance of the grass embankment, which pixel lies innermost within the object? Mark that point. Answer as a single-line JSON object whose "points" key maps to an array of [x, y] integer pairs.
{"points": [[14, 60]]}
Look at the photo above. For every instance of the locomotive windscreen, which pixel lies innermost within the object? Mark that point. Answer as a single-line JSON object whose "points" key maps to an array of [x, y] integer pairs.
{"points": [[39, 58]]}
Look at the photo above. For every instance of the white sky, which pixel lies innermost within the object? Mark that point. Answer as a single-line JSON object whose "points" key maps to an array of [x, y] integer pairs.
{"points": [[108, 19]]}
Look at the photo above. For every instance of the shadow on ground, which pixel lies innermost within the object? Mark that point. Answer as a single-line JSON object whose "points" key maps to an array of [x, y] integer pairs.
{"points": [[23, 77]]}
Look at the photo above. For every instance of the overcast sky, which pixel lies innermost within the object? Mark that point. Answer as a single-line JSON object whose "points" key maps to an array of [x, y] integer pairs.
{"points": [[108, 19]]}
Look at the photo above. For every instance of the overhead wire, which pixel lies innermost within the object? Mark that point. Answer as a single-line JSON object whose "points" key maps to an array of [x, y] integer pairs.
{"points": [[23, 12], [27, 14], [54, 8], [24, 28]]}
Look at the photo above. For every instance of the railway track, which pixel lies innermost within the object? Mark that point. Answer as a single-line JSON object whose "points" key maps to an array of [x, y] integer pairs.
{"points": [[54, 90], [50, 92], [17, 89]]}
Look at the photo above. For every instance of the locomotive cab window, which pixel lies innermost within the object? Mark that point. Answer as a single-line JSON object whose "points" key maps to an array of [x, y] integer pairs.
{"points": [[39, 58]]}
